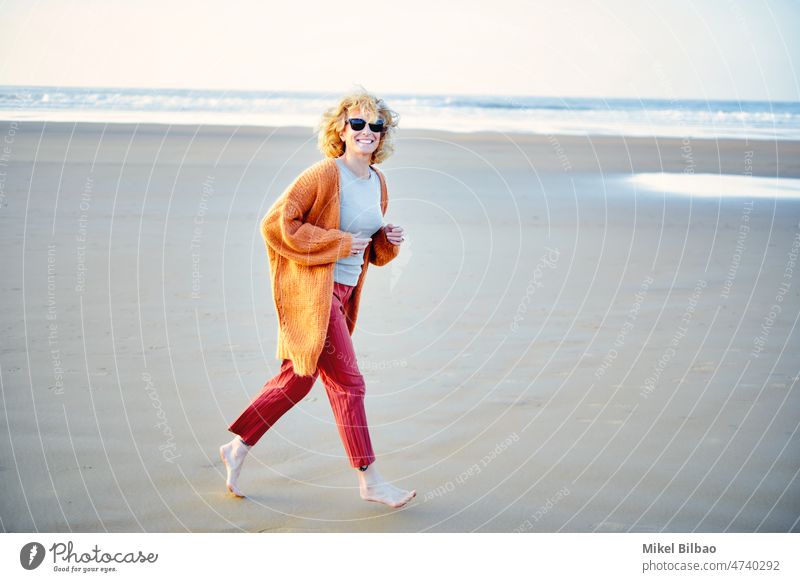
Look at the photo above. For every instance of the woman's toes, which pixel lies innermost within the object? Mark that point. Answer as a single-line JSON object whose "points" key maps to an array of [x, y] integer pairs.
{"points": [[235, 491], [232, 474]]}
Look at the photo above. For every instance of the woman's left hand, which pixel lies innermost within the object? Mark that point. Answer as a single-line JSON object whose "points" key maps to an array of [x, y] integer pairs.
{"points": [[394, 234]]}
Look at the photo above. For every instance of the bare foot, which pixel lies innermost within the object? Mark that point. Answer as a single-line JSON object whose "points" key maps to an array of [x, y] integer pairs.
{"points": [[373, 487], [233, 454]]}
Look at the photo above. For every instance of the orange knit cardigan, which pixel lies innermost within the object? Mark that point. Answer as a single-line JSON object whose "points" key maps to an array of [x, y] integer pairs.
{"points": [[303, 240]]}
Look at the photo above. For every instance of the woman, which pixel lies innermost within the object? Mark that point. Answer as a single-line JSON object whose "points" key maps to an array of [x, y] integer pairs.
{"points": [[321, 235]]}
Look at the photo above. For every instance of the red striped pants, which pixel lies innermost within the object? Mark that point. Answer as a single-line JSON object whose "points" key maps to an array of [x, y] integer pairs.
{"points": [[343, 382]]}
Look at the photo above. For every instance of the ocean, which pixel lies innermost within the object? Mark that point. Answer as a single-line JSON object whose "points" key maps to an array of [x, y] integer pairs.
{"points": [[508, 114]]}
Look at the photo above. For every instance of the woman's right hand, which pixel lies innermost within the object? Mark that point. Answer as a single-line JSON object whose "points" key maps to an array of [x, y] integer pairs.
{"points": [[358, 246]]}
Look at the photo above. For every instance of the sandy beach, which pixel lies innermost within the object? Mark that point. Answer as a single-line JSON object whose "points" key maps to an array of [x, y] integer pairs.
{"points": [[552, 351]]}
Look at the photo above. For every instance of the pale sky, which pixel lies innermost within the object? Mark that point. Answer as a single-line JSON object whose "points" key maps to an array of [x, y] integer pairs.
{"points": [[704, 49]]}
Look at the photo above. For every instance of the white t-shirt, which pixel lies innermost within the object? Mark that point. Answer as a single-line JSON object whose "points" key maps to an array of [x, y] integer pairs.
{"points": [[359, 214]]}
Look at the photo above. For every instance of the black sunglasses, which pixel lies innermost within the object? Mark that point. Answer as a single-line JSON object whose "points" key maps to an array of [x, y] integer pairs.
{"points": [[358, 124]]}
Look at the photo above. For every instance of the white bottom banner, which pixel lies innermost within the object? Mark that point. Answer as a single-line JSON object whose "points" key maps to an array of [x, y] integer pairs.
{"points": [[124, 556]]}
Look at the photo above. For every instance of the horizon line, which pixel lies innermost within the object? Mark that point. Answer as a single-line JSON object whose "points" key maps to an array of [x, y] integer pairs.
{"points": [[410, 95]]}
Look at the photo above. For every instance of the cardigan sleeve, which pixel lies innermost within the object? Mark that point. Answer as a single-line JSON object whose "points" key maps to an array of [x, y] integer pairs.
{"points": [[285, 232], [381, 249]]}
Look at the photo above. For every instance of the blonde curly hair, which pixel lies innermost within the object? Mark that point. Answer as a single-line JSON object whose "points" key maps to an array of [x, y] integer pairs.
{"points": [[333, 121]]}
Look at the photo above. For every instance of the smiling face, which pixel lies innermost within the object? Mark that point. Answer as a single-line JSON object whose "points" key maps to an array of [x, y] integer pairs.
{"points": [[363, 142]]}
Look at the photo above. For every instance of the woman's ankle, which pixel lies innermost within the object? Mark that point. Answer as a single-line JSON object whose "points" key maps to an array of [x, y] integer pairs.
{"points": [[370, 475]]}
